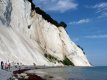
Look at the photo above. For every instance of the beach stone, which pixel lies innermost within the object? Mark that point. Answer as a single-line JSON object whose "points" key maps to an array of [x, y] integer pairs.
{"points": [[26, 77], [23, 74]]}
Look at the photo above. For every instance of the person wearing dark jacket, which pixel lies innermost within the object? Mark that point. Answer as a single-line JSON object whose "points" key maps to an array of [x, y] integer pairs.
{"points": [[2, 64]]}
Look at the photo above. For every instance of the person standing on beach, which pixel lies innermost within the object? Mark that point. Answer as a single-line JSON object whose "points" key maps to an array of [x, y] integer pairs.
{"points": [[6, 66], [2, 64], [9, 65], [34, 65]]}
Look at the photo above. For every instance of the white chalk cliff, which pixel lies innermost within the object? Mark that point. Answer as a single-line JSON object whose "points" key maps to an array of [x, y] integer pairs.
{"points": [[26, 37]]}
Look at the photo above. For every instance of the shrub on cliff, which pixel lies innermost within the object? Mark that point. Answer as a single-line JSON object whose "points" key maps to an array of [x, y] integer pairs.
{"points": [[32, 5], [46, 16], [63, 24], [81, 48], [50, 57], [66, 61]]}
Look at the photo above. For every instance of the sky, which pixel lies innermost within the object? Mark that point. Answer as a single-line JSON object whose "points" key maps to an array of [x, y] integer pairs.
{"points": [[87, 24]]}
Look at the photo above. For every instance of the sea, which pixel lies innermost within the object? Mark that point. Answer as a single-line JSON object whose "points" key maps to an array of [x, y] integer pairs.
{"points": [[79, 73]]}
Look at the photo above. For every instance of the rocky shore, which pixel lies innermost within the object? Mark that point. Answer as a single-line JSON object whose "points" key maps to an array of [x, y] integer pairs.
{"points": [[20, 75], [31, 73]]}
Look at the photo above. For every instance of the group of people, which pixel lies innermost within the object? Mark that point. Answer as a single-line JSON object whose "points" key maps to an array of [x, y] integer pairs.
{"points": [[5, 66]]}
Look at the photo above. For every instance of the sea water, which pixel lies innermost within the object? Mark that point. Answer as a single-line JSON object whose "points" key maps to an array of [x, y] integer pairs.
{"points": [[79, 73]]}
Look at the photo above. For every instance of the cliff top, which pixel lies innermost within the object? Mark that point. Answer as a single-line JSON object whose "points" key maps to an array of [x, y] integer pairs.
{"points": [[46, 16]]}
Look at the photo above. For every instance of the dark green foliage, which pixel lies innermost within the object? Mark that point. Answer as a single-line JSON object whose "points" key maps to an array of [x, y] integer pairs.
{"points": [[29, 26], [91, 64], [63, 24], [30, 1], [32, 5], [81, 48], [50, 57], [46, 16], [83, 52], [66, 61], [46, 55]]}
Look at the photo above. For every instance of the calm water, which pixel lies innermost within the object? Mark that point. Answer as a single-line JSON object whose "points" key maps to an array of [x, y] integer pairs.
{"points": [[79, 73]]}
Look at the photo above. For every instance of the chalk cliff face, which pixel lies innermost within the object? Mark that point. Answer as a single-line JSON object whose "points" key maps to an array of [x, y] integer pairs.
{"points": [[27, 37]]}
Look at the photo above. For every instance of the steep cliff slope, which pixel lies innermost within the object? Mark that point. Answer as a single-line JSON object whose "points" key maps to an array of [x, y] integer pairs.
{"points": [[28, 35]]}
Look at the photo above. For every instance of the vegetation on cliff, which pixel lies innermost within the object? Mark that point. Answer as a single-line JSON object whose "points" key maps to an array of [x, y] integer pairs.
{"points": [[46, 16], [51, 58]]}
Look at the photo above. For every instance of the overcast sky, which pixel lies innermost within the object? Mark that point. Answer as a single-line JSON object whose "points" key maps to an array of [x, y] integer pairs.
{"points": [[87, 24]]}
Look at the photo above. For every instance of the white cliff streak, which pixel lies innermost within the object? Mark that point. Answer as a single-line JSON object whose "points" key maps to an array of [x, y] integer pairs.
{"points": [[25, 36]]}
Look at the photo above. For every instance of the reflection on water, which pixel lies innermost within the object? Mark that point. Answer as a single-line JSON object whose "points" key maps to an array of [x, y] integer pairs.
{"points": [[79, 73]]}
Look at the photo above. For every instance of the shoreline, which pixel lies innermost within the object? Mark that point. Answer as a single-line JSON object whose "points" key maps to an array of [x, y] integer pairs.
{"points": [[33, 73]]}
